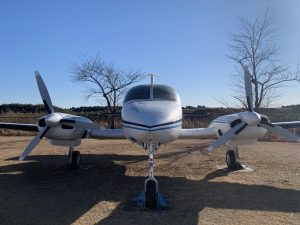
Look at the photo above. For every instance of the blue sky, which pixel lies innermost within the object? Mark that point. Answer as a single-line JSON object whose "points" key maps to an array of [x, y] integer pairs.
{"points": [[185, 42]]}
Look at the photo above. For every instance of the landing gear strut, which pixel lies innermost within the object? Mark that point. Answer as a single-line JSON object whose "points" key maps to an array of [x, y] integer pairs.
{"points": [[151, 198], [232, 158], [74, 158]]}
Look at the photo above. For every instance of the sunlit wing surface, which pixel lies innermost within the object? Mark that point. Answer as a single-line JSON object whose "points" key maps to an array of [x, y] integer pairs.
{"points": [[106, 134], [199, 133]]}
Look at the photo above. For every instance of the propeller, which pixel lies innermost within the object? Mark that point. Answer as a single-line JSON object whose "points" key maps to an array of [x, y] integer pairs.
{"points": [[248, 89], [34, 143], [279, 131], [227, 136], [250, 118], [51, 120], [44, 93]]}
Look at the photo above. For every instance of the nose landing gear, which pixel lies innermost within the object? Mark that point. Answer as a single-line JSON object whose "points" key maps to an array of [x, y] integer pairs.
{"points": [[151, 198]]}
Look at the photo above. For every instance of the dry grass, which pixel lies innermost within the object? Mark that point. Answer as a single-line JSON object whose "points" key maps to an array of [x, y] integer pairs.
{"points": [[194, 123], [41, 190]]}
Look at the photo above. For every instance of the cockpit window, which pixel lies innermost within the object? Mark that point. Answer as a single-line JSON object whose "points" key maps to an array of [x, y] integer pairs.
{"points": [[138, 92], [163, 92], [160, 92]]}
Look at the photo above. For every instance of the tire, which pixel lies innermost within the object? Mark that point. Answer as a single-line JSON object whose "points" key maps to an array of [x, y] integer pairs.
{"points": [[75, 160], [231, 160], [151, 194], [69, 155]]}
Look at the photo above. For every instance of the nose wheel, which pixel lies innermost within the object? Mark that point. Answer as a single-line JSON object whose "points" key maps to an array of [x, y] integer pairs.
{"points": [[74, 159], [151, 193]]}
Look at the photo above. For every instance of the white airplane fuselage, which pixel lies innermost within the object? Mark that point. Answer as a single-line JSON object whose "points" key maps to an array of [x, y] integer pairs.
{"points": [[152, 121], [152, 114]]}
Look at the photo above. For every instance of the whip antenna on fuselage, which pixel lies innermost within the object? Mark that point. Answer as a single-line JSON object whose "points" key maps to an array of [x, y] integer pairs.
{"points": [[151, 83]]}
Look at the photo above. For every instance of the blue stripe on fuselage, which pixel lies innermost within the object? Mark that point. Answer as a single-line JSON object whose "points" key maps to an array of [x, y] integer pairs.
{"points": [[151, 129]]}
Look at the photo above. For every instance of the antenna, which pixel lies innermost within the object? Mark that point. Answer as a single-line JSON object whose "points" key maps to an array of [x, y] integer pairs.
{"points": [[151, 75]]}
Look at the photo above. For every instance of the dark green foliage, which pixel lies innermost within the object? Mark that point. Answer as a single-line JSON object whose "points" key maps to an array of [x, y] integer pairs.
{"points": [[25, 108]]}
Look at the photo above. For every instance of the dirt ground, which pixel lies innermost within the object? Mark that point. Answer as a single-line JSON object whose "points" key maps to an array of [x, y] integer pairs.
{"points": [[42, 190]]}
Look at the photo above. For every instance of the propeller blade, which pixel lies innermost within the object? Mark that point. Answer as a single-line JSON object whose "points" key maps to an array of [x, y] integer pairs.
{"points": [[248, 89], [279, 131], [44, 93], [227, 136], [34, 143]]}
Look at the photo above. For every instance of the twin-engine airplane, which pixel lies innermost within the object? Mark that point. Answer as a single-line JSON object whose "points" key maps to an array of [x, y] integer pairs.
{"points": [[151, 116]]}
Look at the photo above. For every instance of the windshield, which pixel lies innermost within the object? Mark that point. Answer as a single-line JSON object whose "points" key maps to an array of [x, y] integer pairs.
{"points": [[160, 92]]}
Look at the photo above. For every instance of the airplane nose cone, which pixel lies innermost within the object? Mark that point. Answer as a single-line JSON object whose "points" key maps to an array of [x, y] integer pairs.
{"points": [[151, 113], [53, 120], [152, 121], [251, 118]]}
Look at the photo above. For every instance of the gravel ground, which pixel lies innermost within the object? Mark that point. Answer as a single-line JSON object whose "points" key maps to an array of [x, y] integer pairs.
{"points": [[42, 190]]}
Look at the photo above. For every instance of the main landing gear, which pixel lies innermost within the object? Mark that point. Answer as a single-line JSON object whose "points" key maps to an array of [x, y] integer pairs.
{"points": [[151, 198], [232, 159], [74, 158]]}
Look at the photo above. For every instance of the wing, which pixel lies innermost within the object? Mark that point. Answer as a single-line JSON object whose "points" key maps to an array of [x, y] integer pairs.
{"points": [[287, 125], [20, 126], [209, 132], [103, 133], [93, 130]]}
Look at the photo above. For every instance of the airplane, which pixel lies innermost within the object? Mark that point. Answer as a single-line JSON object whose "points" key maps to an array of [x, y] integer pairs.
{"points": [[151, 116]]}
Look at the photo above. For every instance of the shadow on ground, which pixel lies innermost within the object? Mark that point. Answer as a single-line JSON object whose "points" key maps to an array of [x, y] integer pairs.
{"points": [[37, 192]]}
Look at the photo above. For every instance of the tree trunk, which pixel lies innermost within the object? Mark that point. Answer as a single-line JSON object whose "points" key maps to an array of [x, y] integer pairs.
{"points": [[112, 121]]}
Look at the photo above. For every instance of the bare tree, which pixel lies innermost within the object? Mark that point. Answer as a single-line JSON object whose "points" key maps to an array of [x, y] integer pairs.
{"points": [[105, 81], [254, 45]]}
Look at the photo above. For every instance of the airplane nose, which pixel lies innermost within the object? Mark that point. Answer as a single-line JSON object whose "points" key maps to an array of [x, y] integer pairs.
{"points": [[146, 113], [151, 121], [150, 114]]}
